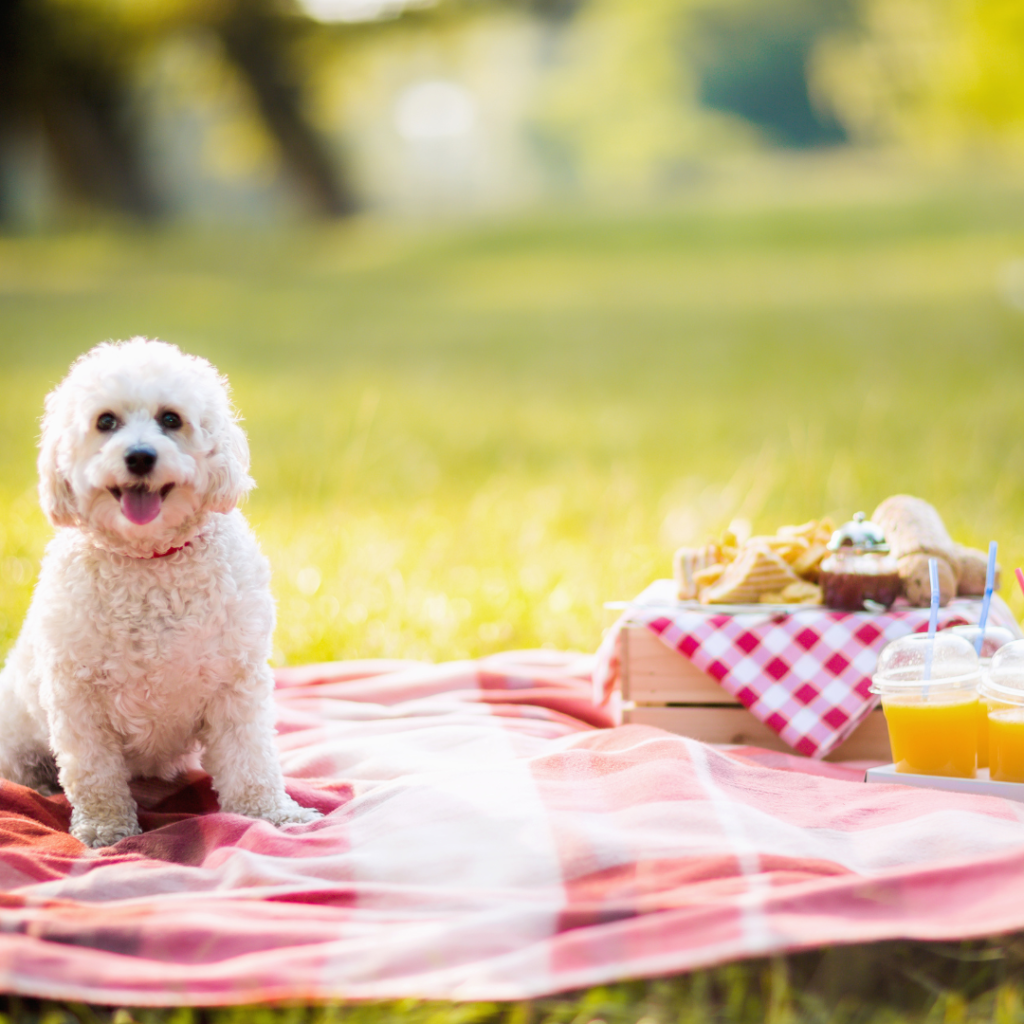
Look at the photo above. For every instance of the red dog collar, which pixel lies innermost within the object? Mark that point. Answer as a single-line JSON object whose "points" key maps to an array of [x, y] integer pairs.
{"points": [[171, 551]]}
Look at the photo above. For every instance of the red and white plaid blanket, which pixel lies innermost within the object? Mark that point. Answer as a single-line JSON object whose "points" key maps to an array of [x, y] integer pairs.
{"points": [[485, 838], [805, 671]]}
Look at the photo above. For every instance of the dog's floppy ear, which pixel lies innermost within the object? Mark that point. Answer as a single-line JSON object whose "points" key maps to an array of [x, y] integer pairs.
{"points": [[55, 494], [229, 468]]}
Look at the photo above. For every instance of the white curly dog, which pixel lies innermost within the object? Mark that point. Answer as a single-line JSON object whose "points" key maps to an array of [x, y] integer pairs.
{"points": [[146, 643]]}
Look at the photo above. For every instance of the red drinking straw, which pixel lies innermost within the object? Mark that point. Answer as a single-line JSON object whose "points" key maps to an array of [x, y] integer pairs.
{"points": [[1019, 573]]}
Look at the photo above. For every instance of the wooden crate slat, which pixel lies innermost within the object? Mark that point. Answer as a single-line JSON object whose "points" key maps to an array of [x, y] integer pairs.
{"points": [[869, 742], [652, 673], [669, 691]]}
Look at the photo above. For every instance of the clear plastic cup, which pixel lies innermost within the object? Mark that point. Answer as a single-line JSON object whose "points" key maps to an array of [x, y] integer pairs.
{"points": [[1003, 691], [929, 691], [995, 637]]}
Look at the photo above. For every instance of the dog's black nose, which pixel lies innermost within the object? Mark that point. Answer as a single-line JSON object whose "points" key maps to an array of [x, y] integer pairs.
{"points": [[140, 459]]}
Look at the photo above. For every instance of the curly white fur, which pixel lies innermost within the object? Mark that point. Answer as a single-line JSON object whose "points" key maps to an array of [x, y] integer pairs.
{"points": [[147, 639]]}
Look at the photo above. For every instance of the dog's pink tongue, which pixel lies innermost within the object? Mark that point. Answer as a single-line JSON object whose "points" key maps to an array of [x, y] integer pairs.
{"points": [[140, 507]]}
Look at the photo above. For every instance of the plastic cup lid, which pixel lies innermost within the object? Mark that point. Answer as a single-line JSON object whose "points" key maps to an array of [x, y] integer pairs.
{"points": [[1005, 677], [995, 637], [902, 665]]}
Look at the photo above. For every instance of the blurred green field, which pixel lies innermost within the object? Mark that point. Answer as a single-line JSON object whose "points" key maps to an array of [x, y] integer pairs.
{"points": [[469, 437]]}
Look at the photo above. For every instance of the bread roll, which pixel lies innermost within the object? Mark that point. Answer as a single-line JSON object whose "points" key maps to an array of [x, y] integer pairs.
{"points": [[915, 531], [917, 584], [973, 570]]}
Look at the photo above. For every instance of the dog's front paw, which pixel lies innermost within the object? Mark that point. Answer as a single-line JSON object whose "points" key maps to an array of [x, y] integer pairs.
{"points": [[288, 812], [282, 810], [97, 832]]}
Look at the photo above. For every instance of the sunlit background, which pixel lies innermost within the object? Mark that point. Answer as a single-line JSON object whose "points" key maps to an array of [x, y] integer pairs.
{"points": [[517, 295]]}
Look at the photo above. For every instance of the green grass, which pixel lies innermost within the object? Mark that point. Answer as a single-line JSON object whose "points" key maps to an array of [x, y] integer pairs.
{"points": [[468, 438], [887, 983]]}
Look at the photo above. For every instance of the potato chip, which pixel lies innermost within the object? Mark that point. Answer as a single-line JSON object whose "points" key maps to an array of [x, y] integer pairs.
{"points": [[805, 530], [802, 592], [826, 527], [808, 563], [757, 571], [705, 577], [688, 562], [789, 548]]}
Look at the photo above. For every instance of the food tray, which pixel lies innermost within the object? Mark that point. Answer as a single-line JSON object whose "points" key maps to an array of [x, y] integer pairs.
{"points": [[982, 784]]}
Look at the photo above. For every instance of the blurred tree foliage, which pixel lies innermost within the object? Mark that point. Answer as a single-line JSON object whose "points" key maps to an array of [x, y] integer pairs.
{"points": [[68, 70], [941, 77], [63, 69], [66, 75], [623, 103], [751, 58], [630, 97]]}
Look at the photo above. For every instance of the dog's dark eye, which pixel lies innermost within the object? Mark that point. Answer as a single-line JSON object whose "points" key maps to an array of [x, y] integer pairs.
{"points": [[105, 422], [170, 420]]}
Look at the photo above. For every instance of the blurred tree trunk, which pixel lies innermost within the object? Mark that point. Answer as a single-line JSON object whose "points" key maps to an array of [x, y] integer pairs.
{"points": [[87, 123], [66, 77], [12, 121], [55, 81], [252, 39]]}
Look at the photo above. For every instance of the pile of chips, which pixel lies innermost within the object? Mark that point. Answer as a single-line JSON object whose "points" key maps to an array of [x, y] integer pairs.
{"points": [[779, 569]]}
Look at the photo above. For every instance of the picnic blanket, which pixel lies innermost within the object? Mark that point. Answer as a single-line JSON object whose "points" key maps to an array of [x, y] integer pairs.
{"points": [[487, 836], [803, 670]]}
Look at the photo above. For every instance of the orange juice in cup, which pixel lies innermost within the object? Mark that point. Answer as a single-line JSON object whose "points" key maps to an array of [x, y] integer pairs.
{"points": [[1006, 734], [928, 687], [1003, 690], [994, 637]]}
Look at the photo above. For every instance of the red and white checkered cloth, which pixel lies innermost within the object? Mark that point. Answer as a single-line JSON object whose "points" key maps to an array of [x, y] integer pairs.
{"points": [[486, 838], [805, 673]]}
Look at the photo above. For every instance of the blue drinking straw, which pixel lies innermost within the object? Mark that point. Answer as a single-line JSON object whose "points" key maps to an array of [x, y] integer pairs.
{"points": [[990, 582], [933, 620]]}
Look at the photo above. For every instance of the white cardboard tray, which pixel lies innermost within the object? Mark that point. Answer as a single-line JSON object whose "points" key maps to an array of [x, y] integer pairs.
{"points": [[982, 784]]}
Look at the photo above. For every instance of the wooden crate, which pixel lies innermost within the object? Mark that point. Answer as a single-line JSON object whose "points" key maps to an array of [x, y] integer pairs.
{"points": [[663, 687]]}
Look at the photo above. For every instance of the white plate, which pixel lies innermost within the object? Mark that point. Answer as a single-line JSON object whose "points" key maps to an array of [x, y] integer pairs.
{"points": [[713, 609]]}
